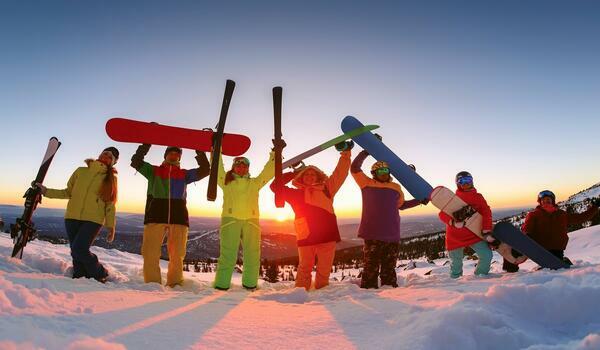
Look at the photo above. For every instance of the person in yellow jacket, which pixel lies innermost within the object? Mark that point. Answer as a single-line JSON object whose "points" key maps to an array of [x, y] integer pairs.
{"points": [[239, 219], [92, 194]]}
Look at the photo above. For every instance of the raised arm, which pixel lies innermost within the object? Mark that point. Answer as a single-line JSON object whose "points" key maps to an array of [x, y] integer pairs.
{"points": [[197, 174], [268, 171], [337, 178]]}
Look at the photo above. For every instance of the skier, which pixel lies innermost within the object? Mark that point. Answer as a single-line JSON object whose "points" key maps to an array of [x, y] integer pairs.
{"points": [[166, 210], [547, 225], [458, 237], [92, 194], [315, 223], [380, 221], [240, 219]]}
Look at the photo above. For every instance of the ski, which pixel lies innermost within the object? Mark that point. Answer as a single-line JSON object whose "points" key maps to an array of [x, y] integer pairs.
{"points": [[23, 230], [211, 193], [277, 97]]}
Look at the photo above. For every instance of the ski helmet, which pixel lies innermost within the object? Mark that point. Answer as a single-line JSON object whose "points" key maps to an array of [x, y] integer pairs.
{"points": [[379, 165], [173, 149], [464, 177], [546, 193]]}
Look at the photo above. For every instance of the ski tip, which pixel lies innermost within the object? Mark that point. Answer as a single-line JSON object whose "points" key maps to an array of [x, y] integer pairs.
{"points": [[230, 82]]}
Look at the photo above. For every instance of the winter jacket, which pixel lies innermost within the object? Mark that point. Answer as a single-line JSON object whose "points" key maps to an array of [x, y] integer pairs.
{"points": [[550, 229], [380, 204], [240, 196], [82, 192], [166, 201], [315, 221], [463, 237]]}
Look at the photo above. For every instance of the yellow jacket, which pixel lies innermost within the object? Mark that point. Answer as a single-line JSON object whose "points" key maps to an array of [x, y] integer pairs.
{"points": [[240, 196], [82, 192]]}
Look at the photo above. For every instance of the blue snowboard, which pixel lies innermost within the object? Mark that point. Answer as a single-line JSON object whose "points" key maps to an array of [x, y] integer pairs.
{"points": [[507, 233], [414, 184]]}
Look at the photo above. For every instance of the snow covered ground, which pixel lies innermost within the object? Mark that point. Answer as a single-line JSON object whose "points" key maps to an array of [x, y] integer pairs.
{"points": [[42, 308]]}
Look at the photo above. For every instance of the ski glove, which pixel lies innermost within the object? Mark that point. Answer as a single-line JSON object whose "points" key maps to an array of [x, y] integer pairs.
{"points": [[278, 145], [463, 213], [344, 146], [137, 160], [42, 188]]}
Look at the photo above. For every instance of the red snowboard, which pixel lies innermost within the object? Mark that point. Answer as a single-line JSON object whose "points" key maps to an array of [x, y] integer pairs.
{"points": [[127, 130]]}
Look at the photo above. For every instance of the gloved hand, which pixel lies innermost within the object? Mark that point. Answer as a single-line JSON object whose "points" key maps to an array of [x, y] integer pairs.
{"points": [[42, 188], [463, 213], [278, 146], [596, 202], [110, 237], [457, 224], [344, 146]]}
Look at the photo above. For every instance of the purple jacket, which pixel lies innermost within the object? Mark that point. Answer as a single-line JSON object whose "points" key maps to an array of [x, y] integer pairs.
{"points": [[381, 201]]}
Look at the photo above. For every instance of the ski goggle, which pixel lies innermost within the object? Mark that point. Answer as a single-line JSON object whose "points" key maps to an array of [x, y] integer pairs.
{"points": [[546, 193], [465, 180], [382, 171], [241, 160]]}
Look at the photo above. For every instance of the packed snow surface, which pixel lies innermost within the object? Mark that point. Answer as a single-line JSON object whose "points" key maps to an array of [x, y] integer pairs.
{"points": [[41, 307]]}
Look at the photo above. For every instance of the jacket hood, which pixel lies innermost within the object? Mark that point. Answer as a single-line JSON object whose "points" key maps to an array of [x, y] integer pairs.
{"points": [[321, 177]]}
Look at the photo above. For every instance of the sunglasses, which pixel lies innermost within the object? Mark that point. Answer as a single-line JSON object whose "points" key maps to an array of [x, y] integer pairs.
{"points": [[382, 171], [465, 180]]}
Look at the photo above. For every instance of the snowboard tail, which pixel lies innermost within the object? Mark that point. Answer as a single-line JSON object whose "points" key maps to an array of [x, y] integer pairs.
{"points": [[506, 232]]}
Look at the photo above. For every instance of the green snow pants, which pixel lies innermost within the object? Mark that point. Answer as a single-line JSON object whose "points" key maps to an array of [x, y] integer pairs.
{"points": [[232, 230]]}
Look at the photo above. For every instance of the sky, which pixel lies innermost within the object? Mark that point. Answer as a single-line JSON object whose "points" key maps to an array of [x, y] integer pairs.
{"points": [[506, 90]]}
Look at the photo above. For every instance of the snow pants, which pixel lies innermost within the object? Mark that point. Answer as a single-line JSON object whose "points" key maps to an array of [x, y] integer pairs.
{"points": [[232, 231], [484, 253], [154, 235], [81, 236], [380, 260], [324, 253]]}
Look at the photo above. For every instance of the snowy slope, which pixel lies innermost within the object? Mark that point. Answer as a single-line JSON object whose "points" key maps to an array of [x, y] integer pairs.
{"points": [[42, 308]]}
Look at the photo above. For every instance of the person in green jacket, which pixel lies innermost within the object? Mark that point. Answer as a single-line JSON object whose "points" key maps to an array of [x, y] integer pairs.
{"points": [[239, 219], [92, 194]]}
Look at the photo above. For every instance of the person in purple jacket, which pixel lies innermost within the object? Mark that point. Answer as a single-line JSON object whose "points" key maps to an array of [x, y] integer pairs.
{"points": [[380, 222]]}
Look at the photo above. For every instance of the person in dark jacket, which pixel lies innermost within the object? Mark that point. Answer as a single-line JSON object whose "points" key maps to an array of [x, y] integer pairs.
{"points": [[380, 222], [547, 225], [315, 223], [166, 210]]}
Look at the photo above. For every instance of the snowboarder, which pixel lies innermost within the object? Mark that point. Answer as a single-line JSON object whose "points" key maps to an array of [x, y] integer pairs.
{"points": [[240, 219], [458, 237], [547, 225], [380, 222], [166, 210], [92, 194], [315, 223]]}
